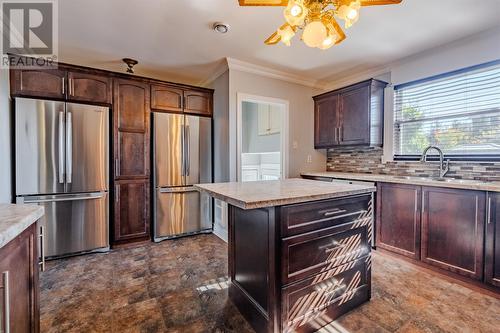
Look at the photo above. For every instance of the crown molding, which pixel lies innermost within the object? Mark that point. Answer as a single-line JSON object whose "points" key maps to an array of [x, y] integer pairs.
{"points": [[221, 68], [243, 66]]}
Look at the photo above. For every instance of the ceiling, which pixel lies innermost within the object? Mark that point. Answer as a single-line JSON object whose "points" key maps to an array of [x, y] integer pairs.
{"points": [[173, 39]]}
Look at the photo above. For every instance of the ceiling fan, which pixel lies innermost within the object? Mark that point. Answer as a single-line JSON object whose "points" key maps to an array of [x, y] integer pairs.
{"points": [[317, 19]]}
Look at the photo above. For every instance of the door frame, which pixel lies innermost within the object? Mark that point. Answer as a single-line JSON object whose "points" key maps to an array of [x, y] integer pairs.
{"points": [[243, 97]]}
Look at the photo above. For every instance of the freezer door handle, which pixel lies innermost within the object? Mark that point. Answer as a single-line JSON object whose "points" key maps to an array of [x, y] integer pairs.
{"points": [[69, 148], [74, 197], [188, 150], [178, 189], [61, 146], [183, 150]]}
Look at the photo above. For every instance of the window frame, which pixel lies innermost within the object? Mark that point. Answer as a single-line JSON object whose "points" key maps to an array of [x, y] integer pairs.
{"points": [[432, 157]]}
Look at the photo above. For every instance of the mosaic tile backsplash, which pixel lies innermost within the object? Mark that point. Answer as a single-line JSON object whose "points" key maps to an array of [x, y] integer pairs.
{"points": [[369, 160]]}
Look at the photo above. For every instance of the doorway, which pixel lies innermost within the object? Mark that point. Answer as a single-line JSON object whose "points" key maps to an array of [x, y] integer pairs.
{"points": [[262, 138]]}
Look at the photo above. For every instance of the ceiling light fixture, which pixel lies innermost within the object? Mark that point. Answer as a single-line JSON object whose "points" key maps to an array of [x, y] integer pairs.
{"points": [[221, 27], [316, 18], [130, 64]]}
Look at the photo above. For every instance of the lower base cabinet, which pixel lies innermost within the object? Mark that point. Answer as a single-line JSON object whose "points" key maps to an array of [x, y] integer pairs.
{"points": [[492, 248], [453, 230], [398, 213], [131, 210], [19, 307]]}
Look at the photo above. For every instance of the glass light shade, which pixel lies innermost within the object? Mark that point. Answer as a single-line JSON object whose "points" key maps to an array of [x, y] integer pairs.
{"points": [[286, 35], [328, 42], [314, 34], [295, 13], [350, 13]]}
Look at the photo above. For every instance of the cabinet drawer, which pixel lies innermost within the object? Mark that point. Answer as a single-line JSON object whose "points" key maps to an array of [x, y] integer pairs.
{"points": [[330, 292], [317, 252], [300, 218]]}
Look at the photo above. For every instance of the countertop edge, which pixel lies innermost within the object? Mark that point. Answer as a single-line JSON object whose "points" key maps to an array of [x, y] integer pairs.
{"points": [[283, 202], [15, 228], [391, 179]]}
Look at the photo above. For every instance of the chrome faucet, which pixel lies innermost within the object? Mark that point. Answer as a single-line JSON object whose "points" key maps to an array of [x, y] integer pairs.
{"points": [[444, 166]]}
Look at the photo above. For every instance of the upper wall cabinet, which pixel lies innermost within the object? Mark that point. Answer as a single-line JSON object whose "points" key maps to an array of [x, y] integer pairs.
{"points": [[50, 83], [351, 116], [198, 102], [166, 98], [61, 84], [83, 87]]}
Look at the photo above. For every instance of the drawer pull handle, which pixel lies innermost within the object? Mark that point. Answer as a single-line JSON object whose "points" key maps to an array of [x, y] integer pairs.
{"points": [[330, 247], [334, 212]]}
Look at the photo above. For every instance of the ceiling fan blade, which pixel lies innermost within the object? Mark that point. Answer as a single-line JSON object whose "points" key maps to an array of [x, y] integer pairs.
{"points": [[275, 37], [379, 2], [263, 2], [338, 29]]}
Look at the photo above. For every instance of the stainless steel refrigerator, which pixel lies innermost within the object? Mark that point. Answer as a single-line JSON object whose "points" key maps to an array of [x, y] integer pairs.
{"points": [[182, 151], [61, 163]]}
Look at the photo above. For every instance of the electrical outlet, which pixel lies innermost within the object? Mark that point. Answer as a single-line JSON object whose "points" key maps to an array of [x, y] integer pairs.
{"points": [[309, 159], [295, 144]]}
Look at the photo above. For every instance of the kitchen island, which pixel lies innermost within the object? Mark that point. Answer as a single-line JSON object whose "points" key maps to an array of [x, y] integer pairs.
{"points": [[299, 250]]}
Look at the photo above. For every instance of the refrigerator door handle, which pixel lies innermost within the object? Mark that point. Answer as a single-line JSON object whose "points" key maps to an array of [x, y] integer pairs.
{"points": [[183, 148], [69, 148], [61, 145], [74, 197], [178, 189], [187, 154]]}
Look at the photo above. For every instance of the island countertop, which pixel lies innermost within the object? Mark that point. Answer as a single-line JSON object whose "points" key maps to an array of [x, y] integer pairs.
{"points": [[260, 194], [14, 219]]}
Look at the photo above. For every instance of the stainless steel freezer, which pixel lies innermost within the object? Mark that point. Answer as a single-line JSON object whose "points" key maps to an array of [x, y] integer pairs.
{"points": [[182, 150], [61, 162]]}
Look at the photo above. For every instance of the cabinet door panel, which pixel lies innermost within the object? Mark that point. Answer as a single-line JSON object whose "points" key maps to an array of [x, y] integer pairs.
{"points": [[198, 102], [453, 230], [355, 113], [398, 219], [166, 98], [131, 209], [326, 121], [18, 259], [131, 129], [131, 104], [89, 88], [48, 83], [492, 251]]}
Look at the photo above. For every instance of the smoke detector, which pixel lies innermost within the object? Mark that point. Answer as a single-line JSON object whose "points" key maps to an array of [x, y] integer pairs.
{"points": [[221, 27]]}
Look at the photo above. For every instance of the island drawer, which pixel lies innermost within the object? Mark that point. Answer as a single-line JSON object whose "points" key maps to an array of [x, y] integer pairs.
{"points": [[334, 292], [319, 251], [304, 217]]}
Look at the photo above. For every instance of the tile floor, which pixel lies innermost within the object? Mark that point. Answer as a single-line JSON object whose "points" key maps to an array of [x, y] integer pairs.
{"points": [[180, 286]]}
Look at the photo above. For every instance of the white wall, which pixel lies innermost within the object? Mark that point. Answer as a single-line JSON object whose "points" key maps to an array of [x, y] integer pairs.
{"points": [[301, 119], [5, 133], [221, 127]]}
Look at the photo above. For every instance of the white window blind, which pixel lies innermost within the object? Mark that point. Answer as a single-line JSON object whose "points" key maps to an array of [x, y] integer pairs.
{"points": [[458, 112]]}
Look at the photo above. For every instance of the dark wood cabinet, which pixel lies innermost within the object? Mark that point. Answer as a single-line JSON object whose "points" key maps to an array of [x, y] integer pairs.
{"points": [[131, 158], [131, 209], [131, 129], [295, 268], [85, 87], [19, 284], [326, 121], [398, 218], [351, 116], [166, 98], [43, 83], [492, 247], [198, 102], [453, 230]]}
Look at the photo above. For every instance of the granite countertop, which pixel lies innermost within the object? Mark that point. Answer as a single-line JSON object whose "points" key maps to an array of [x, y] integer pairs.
{"points": [[450, 182], [260, 194], [14, 219]]}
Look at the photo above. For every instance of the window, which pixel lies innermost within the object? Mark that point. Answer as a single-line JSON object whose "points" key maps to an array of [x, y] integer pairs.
{"points": [[458, 112]]}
